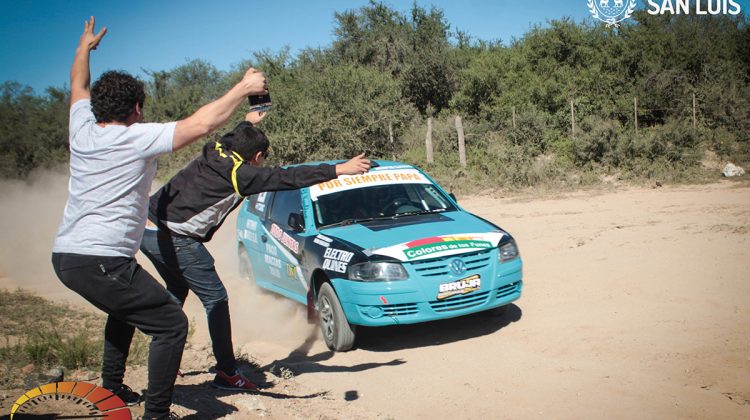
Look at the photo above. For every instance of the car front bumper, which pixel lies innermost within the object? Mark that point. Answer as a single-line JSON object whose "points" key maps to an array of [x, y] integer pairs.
{"points": [[415, 300]]}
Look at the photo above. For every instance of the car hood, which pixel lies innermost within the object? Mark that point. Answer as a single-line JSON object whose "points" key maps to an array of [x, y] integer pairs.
{"points": [[412, 238]]}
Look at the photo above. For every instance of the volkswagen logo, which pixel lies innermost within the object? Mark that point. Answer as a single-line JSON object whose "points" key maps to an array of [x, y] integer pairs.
{"points": [[458, 266]]}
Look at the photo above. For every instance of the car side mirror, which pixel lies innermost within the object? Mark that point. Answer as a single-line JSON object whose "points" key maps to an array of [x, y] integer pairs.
{"points": [[453, 196], [296, 222]]}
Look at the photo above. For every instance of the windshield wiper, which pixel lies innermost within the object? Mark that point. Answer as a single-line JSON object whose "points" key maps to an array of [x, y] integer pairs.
{"points": [[415, 213], [351, 221], [347, 222]]}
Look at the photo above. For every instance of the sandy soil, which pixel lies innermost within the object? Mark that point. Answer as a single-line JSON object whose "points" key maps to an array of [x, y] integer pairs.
{"points": [[635, 306]]}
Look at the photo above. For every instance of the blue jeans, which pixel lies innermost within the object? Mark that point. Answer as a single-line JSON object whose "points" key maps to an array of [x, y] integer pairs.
{"points": [[185, 264]]}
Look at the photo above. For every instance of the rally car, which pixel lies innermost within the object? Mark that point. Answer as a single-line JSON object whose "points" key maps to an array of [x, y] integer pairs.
{"points": [[383, 248]]}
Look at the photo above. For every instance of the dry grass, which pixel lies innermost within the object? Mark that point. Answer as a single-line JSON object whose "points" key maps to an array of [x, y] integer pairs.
{"points": [[47, 335]]}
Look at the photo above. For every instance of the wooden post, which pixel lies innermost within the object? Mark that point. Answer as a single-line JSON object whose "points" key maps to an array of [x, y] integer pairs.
{"points": [[572, 119], [461, 144], [390, 137], [695, 123], [514, 118], [635, 114], [428, 140]]}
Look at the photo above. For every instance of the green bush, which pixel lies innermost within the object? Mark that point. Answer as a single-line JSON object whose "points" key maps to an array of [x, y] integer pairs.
{"points": [[599, 142], [386, 71]]}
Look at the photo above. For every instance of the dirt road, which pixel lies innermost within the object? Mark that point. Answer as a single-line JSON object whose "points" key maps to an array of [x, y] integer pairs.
{"points": [[636, 305]]}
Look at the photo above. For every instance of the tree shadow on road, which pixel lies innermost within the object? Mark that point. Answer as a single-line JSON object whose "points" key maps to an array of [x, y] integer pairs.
{"points": [[399, 337]]}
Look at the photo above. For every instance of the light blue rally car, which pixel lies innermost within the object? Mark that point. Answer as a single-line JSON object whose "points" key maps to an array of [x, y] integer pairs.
{"points": [[384, 248]]}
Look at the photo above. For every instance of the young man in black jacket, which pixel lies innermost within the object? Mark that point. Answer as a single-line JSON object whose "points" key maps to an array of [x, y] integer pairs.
{"points": [[187, 211]]}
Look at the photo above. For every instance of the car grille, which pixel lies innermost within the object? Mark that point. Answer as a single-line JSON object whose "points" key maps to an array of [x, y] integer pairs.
{"points": [[472, 299], [439, 266], [459, 302], [451, 304], [399, 309], [507, 290]]}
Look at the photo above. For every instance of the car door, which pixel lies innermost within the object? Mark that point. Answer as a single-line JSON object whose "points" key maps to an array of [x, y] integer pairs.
{"points": [[250, 230], [283, 245]]}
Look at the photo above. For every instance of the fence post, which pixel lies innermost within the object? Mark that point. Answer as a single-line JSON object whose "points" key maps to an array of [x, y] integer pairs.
{"points": [[390, 137], [461, 143], [572, 119], [428, 140], [694, 119], [635, 114]]}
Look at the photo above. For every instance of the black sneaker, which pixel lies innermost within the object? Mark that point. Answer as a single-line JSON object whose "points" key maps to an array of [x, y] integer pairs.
{"points": [[127, 395]]}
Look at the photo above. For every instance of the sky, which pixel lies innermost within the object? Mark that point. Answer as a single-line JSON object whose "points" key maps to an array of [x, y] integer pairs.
{"points": [[39, 37]]}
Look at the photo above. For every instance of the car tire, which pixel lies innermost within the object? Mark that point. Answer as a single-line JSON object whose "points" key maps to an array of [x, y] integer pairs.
{"points": [[338, 334]]}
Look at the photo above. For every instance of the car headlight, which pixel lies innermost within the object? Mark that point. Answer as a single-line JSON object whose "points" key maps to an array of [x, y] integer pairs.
{"points": [[508, 250], [377, 271]]}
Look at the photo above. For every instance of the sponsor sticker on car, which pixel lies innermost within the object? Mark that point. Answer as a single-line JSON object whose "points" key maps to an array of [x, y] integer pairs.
{"points": [[459, 287], [440, 246], [370, 179], [260, 204], [323, 240], [284, 238], [336, 260]]}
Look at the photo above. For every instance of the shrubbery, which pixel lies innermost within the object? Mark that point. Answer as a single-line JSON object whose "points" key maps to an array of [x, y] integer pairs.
{"points": [[387, 72]]}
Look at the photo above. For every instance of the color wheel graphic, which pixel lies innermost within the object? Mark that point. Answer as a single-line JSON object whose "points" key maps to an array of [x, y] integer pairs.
{"points": [[78, 400]]}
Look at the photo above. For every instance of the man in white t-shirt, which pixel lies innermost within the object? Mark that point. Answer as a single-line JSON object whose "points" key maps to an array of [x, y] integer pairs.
{"points": [[112, 163]]}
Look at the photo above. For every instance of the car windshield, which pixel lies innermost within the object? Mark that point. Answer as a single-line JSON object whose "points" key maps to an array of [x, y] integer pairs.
{"points": [[378, 202]]}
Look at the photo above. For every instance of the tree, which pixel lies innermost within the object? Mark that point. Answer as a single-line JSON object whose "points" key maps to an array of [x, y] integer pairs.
{"points": [[33, 129]]}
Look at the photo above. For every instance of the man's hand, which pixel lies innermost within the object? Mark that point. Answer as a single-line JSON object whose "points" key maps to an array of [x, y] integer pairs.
{"points": [[254, 82], [213, 115], [79, 71], [354, 166], [255, 117], [89, 41]]}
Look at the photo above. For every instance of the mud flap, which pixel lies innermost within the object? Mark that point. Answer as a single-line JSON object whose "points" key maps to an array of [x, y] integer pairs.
{"points": [[312, 312]]}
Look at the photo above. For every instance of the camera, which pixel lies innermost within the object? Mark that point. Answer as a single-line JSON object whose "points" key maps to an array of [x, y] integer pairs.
{"points": [[260, 103]]}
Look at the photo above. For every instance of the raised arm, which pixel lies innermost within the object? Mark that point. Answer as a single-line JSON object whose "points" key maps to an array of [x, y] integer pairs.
{"points": [[80, 77], [357, 165], [251, 179], [213, 115]]}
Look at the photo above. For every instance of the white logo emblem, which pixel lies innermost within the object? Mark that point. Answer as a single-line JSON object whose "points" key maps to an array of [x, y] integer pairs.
{"points": [[611, 12]]}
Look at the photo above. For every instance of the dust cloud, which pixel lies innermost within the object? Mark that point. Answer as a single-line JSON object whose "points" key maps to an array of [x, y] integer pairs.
{"points": [[29, 218], [256, 315], [30, 215]]}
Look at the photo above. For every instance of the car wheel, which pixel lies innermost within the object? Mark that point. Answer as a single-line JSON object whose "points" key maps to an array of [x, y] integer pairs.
{"points": [[337, 332]]}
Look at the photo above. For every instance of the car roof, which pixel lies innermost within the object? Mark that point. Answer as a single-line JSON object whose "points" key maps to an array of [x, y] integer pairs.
{"points": [[376, 163]]}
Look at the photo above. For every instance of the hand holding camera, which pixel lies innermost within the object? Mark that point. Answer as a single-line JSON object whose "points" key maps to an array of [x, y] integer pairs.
{"points": [[260, 103]]}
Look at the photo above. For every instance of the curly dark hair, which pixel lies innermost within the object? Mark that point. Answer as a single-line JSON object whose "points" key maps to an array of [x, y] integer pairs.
{"points": [[114, 95]]}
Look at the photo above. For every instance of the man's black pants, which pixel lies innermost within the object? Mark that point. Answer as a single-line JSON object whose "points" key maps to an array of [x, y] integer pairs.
{"points": [[133, 299]]}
